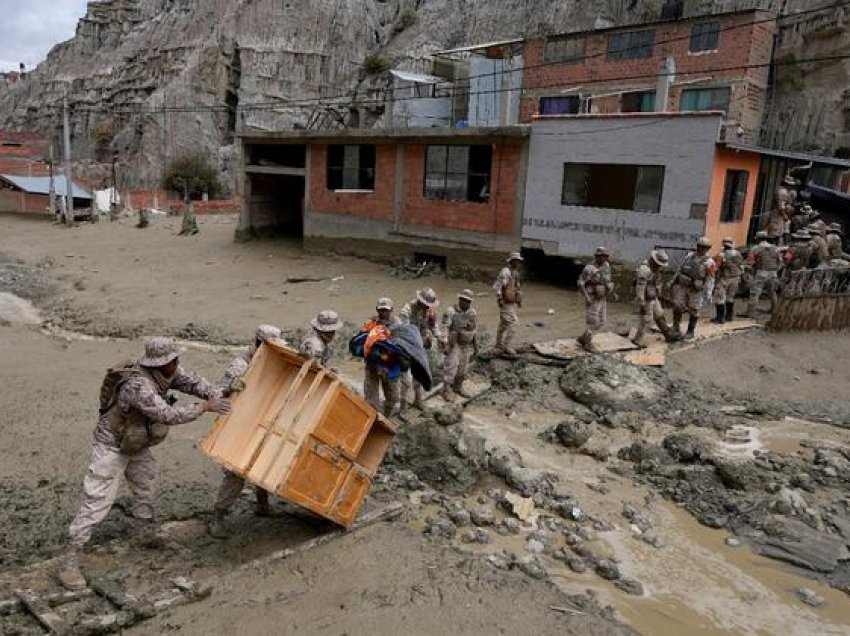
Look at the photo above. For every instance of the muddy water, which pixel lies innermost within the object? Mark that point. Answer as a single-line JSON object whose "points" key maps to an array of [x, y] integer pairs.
{"points": [[696, 584]]}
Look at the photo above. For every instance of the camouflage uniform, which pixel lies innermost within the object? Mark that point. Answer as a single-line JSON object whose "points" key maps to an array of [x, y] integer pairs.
{"points": [[425, 319], [820, 251], [312, 346], [595, 283], [144, 396], [692, 284], [508, 288], [648, 294], [730, 268], [767, 262], [460, 329], [375, 382]]}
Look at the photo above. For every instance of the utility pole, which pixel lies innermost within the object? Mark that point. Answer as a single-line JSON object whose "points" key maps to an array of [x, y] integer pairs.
{"points": [[68, 211], [52, 191], [113, 203]]}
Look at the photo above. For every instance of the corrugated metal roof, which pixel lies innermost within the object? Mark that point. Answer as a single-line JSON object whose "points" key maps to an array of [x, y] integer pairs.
{"points": [[41, 185], [419, 78], [478, 47]]}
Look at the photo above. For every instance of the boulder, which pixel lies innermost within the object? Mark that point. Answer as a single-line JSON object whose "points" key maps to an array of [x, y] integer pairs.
{"points": [[603, 381], [573, 433]]}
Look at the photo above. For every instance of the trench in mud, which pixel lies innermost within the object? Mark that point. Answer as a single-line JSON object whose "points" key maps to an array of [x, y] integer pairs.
{"points": [[697, 584]]}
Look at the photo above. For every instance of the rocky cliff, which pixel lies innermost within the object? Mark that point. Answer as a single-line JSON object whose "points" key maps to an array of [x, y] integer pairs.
{"points": [[149, 79]]}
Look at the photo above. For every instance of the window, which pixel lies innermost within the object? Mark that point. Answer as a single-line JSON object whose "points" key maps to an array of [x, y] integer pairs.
{"points": [[351, 167], [569, 105], [638, 102], [705, 99], [458, 173], [617, 186], [631, 45], [734, 196], [565, 50], [704, 37]]}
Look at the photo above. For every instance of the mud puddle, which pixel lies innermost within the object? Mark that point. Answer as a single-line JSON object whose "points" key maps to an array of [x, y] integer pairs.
{"points": [[696, 583]]}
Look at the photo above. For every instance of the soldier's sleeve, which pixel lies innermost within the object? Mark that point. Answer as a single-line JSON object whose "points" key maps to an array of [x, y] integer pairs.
{"points": [[193, 384], [141, 395], [404, 314], [447, 318], [308, 348], [501, 280], [235, 369]]}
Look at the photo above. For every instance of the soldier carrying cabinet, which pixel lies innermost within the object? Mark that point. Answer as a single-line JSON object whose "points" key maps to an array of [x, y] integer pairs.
{"points": [[460, 343]]}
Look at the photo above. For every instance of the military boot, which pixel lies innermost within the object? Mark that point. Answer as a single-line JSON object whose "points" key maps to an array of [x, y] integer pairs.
{"points": [[720, 316], [730, 312], [692, 325], [677, 321], [670, 335], [638, 339], [586, 342], [447, 394], [69, 574], [217, 526]]}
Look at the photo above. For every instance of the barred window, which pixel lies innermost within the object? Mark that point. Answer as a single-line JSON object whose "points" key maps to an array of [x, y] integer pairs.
{"points": [[458, 173], [351, 167]]}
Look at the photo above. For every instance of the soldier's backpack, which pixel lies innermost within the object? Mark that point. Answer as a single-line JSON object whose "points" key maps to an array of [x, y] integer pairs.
{"points": [[115, 376]]}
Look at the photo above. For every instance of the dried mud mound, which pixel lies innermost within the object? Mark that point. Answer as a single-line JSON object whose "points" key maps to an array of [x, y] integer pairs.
{"points": [[604, 382]]}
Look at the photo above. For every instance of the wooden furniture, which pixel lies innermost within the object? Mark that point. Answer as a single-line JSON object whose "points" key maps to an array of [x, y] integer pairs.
{"points": [[299, 433]]}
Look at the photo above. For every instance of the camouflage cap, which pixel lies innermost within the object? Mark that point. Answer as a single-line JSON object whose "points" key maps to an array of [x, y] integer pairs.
{"points": [[467, 294], [326, 321], [802, 235], [159, 352], [427, 297], [515, 256], [267, 332], [601, 251], [384, 303], [659, 257]]}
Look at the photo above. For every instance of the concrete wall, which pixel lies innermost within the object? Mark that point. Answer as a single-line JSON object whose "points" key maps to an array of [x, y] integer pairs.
{"points": [[409, 111], [683, 144]]}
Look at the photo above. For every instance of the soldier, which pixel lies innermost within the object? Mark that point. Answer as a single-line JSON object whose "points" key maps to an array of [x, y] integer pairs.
{"points": [[421, 313], [818, 245], [316, 344], [799, 253], [376, 379], [460, 342], [509, 298], [691, 284], [595, 284], [803, 217], [136, 416], [766, 260], [835, 245], [648, 294], [232, 484], [730, 267]]}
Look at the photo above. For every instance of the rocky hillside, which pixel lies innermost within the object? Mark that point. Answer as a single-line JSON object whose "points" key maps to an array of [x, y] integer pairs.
{"points": [[150, 79]]}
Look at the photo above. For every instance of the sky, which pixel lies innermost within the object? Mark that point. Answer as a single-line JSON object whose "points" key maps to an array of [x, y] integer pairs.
{"points": [[29, 28]]}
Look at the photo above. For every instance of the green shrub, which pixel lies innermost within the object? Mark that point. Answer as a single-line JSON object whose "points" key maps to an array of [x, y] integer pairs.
{"points": [[193, 170]]}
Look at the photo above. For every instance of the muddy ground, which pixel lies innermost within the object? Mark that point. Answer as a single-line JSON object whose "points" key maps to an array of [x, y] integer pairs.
{"points": [[651, 503]]}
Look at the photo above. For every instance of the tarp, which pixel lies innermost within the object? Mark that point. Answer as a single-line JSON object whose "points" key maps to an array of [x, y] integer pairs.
{"points": [[409, 340], [103, 199]]}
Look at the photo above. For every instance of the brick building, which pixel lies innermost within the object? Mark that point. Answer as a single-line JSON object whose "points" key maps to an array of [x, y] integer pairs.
{"points": [[452, 193], [714, 62], [23, 154]]}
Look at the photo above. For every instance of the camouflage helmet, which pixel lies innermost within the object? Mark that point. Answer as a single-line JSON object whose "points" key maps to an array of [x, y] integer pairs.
{"points": [[427, 297], [384, 303], [326, 321], [835, 228], [159, 352], [467, 294], [659, 257], [267, 332], [704, 241]]}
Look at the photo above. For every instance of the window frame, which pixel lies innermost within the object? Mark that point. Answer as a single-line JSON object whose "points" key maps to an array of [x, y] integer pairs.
{"points": [[632, 49], [636, 175], [335, 171], [701, 33], [473, 175], [552, 54], [576, 99], [734, 200], [713, 89], [641, 93]]}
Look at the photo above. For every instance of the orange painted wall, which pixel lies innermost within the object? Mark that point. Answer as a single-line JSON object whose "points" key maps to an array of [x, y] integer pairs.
{"points": [[725, 159]]}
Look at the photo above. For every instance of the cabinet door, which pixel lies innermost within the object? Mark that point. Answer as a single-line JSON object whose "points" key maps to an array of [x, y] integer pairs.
{"points": [[351, 496], [316, 477], [345, 424]]}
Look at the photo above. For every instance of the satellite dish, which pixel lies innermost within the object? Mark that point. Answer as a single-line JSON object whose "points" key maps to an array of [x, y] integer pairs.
{"points": [[670, 69]]}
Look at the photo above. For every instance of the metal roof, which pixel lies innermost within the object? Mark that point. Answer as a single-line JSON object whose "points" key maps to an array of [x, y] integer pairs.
{"points": [[478, 47], [419, 78], [41, 185]]}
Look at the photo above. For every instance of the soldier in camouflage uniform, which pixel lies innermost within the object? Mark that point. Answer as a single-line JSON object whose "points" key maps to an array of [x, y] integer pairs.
{"points": [[138, 416], [595, 284], [693, 282], [730, 268], [317, 343], [818, 244], [460, 343], [232, 484], [835, 244], [421, 313], [374, 381], [766, 260], [508, 288], [648, 280], [799, 253]]}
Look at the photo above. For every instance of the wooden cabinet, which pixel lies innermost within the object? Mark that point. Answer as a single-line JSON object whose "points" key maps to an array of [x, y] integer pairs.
{"points": [[298, 432]]}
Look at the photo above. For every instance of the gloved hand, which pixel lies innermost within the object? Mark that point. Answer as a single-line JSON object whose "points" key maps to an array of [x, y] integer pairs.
{"points": [[216, 405]]}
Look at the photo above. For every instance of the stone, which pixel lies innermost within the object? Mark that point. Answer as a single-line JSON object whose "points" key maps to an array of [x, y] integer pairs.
{"points": [[534, 546], [809, 597], [461, 517], [610, 383], [573, 433], [499, 561], [532, 481], [533, 568], [805, 547], [502, 459], [482, 516], [629, 511], [507, 527], [440, 527], [733, 542], [804, 481], [685, 447], [607, 570], [449, 415], [577, 565], [737, 474], [630, 586], [476, 535], [522, 507]]}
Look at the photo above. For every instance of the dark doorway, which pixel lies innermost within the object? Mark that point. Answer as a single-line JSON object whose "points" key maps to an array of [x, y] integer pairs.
{"points": [[277, 205]]}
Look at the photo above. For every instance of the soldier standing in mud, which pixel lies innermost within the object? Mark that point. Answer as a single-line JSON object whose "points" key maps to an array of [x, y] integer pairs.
{"points": [[136, 416], [691, 284], [421, 313], [766, 261], [232, 484], [374, 381], [648, 281], [509, 297], [460, 343], [730, 268], [596, 285]]}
